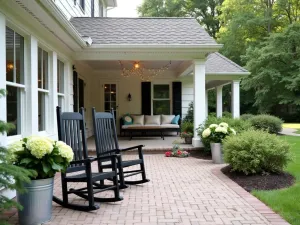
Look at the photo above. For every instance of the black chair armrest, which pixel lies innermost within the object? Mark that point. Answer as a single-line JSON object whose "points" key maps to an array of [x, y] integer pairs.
{"points": [[133, 147], [88, 160], [116, 151], [111, 157]]}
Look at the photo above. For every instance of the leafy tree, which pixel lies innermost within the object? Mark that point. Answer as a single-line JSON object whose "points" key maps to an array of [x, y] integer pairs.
{"points": [[190, 114], [205, 11], [275, 66], [159, 8], [11, 176]]}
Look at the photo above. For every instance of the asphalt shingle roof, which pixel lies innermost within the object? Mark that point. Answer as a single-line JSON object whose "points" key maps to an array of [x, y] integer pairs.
{"points": [[217, 63], [152, 31]]}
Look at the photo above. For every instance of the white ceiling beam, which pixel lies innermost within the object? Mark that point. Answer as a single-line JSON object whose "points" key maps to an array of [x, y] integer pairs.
{"points": [[185, 68]]}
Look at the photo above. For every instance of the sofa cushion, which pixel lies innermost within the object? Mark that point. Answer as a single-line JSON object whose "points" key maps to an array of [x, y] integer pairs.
{"points": [[170, 126], [138, 120], [152, 120], [167, 119], [127, 119], [175, 120], [132, 126]]}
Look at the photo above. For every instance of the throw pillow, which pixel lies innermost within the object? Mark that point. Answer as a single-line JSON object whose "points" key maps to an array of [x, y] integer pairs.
{"points": [[127, 119], [175, 120], [167, 119], [154, 120], [138, 120]]}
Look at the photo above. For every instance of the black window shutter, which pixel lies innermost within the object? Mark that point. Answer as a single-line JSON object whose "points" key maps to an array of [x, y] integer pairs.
{"points": [[146, 98], [75, 91], [177, 99], [81, 93]]}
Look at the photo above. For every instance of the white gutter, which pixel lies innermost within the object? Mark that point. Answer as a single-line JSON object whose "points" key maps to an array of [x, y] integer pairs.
{"points": [[164, 46], [229, 73], [61, 19]]}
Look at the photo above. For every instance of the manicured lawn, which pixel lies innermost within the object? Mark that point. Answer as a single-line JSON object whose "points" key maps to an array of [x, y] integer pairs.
{"points": [[291, 125], [286, 202]]}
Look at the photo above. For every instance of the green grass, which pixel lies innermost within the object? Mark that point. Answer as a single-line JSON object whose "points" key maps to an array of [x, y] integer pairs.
{"points": [[286, 201]]}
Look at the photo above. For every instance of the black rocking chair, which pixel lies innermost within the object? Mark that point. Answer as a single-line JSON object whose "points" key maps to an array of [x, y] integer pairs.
{"points": [[107, 143], [71, 130]]}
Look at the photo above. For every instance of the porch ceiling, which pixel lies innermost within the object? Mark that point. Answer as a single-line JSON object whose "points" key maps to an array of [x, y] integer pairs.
{"points": [[114, 64]]}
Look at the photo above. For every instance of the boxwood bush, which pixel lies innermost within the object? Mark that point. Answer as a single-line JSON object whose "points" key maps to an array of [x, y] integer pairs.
{"points": [[246, 116], [271, 124], [256, 151]]}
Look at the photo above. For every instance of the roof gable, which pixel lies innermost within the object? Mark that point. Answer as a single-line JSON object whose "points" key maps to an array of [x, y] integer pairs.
{"points": [[144, 31], [217, 63]]}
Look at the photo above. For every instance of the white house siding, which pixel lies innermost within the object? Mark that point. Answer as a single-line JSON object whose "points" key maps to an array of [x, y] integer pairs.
{"points": [[74, 10], [187, 93], [34, 38]]}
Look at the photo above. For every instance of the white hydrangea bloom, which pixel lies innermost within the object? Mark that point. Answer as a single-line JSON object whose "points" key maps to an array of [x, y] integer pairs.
{"points": [[213, 125], [16, 146], [220, 129], [39, 146], [233, 131], [65, 150], [206, 133], [223, 124]]}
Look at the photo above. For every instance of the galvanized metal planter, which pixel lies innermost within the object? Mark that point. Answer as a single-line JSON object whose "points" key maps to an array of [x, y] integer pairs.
{"points": [[37, 202], [216, 152]]}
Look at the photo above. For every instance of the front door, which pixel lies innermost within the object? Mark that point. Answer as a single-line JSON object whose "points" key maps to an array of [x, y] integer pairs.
{"points": [[110, 98]]}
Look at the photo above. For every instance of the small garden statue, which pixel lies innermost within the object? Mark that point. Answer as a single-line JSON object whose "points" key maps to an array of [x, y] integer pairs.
{"points": [[177, 152]]}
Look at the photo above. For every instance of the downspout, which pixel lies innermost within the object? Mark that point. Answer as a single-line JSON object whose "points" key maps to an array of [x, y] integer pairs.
{"points": [[93, 8]]}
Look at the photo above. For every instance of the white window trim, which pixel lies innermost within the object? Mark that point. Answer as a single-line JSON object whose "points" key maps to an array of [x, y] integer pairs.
{"points": [[43, 90], [170, 95], [61, 94], [21, 106]]}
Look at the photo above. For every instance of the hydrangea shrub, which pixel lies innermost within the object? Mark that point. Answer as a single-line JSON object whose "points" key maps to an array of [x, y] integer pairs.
{"points": [[215, 133], [41, 154]]}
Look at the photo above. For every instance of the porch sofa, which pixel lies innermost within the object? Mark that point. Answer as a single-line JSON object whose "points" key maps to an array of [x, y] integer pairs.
{"points": [[143, 125]]}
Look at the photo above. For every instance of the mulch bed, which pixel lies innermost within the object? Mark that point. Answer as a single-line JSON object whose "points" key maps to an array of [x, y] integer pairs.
{"points": [[200, 154], [260, 182]]}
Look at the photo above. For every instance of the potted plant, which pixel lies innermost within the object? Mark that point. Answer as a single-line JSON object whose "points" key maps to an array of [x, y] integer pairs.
{"points": [[187, 131], [216, 133], [45, 157]]}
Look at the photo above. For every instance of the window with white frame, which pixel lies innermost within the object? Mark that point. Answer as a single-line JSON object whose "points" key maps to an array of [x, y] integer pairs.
{"points": [[161, 101], [60, 83], [14, 79], [43, 87]]}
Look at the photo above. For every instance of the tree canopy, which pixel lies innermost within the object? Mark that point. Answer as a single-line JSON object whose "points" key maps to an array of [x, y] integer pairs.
{"points": [[262, 35]]}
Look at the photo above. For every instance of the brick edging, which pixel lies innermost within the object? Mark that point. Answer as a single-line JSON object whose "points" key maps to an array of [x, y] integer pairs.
{"points": [[263, 209]]}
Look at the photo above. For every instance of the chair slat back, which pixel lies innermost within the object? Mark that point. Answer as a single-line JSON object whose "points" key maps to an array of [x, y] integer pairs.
{"points": [[71, 130], [105, 132]]}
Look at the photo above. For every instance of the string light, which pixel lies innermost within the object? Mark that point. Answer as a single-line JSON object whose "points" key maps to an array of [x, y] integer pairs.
{"points": [[143, 73]]}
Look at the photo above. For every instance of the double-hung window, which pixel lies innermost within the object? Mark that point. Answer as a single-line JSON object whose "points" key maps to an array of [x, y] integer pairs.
{"points": [[60, 83], [15, 84], [43, 87], [161, 101]]}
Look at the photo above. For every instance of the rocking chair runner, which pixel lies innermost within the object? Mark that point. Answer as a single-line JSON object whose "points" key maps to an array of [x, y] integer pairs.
{"points": [[71, 130], [107, 143]]}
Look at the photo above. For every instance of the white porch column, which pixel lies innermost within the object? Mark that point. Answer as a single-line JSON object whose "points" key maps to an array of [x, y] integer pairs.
{"points": [[52, 124], [206, 103], [235, 99], [199, 98], [2, 74], [31, 79], [219, 101]]}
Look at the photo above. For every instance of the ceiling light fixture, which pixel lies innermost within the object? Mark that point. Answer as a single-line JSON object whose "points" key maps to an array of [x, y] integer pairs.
{"points": [[145, 74]]}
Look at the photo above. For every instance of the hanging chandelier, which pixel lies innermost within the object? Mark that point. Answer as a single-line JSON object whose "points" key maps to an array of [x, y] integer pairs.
{"points": [[145, 74]]}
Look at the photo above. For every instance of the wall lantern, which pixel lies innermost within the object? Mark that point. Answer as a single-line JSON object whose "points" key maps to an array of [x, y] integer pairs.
{"points": [[129, 97]]}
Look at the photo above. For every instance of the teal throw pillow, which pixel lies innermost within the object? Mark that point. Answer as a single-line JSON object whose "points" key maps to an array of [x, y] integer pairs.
{"points": [[175, 120], [127, 119]]}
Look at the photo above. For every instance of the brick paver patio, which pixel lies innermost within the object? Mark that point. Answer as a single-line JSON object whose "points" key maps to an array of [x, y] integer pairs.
{"points": [[181, 191]]}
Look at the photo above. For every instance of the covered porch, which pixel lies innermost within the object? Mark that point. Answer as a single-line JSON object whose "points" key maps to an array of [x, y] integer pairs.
{"points": [[190, 54]]}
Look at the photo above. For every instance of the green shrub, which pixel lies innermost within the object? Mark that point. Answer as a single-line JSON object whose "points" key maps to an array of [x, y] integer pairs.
{"points": [[190, 113], [246, 116], [271, 124], [187, 129], [227, 114], [256, 151], [237, 124]]}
